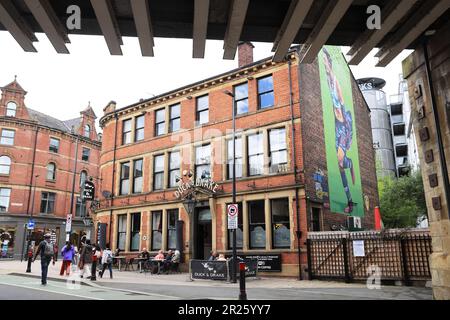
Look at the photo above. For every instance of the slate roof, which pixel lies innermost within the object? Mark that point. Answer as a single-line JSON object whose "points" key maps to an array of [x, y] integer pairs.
{"points": [[53, 123]]}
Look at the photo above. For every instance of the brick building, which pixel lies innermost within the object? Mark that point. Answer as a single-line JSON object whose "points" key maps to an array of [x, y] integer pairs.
{"points": [[158, 153], [37, 159]]}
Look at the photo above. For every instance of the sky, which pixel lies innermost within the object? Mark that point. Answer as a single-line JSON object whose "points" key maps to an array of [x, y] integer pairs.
{"points": [[63, 85]]}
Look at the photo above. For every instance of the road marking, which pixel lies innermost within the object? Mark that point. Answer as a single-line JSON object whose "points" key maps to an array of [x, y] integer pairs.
{"points": [[51, 291]]}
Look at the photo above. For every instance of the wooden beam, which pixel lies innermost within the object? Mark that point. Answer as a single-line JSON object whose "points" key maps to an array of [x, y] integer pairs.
{"points": [[421, 25], [392, 14], [50, 24], [295, 16], [144, 28], [331, 16], [200, 27], [17, 27], [238, 12], [108, 24]]}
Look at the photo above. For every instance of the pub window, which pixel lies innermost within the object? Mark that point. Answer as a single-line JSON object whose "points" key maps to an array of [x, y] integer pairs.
{"points": [[7, 137], [281, 235], [174, 124], [139, 128], [257, 224], [85, 154], [172, 217], [203, 162], [51, 171], [80, 208], [202, 110], [124, 178], [158, 172], [11, 108], [87, 131], [241, 98], [121, 231], [54, 145], [5, 165], [238, 158], [278, 150], [239, 231], [265, 92], [160, 122], [156, 230], [126, 131], [5, 194], [255, 154], [135, 230], [174, 168], [48, 202], [137, 176]]}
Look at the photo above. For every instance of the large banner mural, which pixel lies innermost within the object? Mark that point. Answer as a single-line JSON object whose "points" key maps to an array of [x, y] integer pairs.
{"points": [[341, 145]]}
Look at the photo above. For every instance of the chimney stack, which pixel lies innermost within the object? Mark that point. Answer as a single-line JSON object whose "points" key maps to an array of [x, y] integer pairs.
{"points": [[245, 53]]}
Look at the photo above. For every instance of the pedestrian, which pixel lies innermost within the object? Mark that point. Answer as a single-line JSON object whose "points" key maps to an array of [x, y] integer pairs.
{"points": [[107, 260], [213, 256], [86, 259], [67, 253], [46, 250], [96, 254]]}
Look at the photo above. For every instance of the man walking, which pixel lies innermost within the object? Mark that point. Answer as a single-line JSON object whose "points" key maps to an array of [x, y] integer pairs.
{"points": [[86, 259], [47, 252]]}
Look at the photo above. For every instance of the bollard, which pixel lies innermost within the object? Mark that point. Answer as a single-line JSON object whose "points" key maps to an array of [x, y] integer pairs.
{"points": [[242, 293], [30, 259]]}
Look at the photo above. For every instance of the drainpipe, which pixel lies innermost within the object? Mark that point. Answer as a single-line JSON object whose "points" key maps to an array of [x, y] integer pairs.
{"points": [[294, 153], [113, 178], [442, 158], [75, 161]]}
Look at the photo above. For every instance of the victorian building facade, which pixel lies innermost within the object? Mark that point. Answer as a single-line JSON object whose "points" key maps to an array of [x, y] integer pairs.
{"points": [[38, 180], [157, 153]]}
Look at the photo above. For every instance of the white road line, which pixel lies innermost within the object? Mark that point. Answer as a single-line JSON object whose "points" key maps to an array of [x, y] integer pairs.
{"points": [[51, 291]]}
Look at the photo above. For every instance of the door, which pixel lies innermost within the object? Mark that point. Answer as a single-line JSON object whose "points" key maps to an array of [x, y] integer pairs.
{"points": [[203, 233]]}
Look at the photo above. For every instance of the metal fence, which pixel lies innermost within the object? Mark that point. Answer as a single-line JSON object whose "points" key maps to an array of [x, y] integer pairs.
{"points": [[399, 254]]}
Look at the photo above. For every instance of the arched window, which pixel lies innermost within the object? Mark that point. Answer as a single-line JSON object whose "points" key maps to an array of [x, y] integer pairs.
{"points": [[5, 164], [83, 177], [87, 131], [51, 171], [11, 108]]}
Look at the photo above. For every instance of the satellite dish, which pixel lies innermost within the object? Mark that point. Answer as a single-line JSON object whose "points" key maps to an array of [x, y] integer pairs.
{"points": [[106, 194]]}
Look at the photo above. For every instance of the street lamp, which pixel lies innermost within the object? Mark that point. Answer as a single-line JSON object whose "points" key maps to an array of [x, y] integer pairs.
{"points": [[233, 265], [29, 252]]}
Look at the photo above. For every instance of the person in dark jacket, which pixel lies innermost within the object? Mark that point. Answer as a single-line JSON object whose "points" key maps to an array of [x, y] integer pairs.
{"points": [[47, 252], [86, 259]]}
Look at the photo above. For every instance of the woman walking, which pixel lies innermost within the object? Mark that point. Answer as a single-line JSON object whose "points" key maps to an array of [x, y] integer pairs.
{"points": [[107, 260], [67, 253]]}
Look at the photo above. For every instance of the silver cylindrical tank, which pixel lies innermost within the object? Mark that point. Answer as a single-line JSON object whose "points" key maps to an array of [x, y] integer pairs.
{"points": [[381, 124]]}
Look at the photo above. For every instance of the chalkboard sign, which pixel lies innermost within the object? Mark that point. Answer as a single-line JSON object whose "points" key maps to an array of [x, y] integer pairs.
{"points": [[203, 269], [266, 262], [101, 235]]}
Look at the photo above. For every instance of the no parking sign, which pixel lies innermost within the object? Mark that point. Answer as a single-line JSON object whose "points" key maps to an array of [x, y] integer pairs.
{"points": [[232, 212]]}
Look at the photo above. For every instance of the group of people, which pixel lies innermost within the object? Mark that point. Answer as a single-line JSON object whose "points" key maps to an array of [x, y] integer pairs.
{"points": [[214, 257], [161, 262]]}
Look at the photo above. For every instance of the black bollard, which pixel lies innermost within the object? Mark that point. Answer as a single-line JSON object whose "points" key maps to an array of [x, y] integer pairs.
{"points": [[242, 293], [94, 269], [30, 258]]}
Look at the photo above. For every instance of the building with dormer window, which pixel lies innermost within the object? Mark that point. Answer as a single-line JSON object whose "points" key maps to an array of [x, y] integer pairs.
{"points": [[38, 179]]}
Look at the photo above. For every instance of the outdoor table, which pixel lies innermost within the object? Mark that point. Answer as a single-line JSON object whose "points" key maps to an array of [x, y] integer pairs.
{"points": [[120, 260], [140, 261], [158, 262]]}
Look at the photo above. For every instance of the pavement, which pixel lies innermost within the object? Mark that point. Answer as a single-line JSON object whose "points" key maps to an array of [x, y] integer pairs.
{"points": [[132, 285]]}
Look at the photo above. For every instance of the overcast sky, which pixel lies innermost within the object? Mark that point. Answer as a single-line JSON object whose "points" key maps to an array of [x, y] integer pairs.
{"points": [[62, 85]]}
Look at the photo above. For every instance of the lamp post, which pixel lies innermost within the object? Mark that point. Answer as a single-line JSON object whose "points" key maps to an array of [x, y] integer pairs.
{"points": [[233, 265], [29, 252]]}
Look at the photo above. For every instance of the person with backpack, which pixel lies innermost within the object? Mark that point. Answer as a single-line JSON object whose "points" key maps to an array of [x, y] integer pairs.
{"points": [[107, 260], [67, 253], [86, 259], [47, 252]]}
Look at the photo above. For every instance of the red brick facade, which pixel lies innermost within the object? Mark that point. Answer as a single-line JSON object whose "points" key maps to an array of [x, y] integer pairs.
{"points": [[27, 177]]}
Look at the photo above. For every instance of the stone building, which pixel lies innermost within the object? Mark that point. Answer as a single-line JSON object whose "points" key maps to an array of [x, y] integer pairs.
{"points": [[158, 154], [37, 160], [427, 71]]}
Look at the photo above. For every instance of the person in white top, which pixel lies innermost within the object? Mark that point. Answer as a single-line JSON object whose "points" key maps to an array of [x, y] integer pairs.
{"points": [[107, 260]]}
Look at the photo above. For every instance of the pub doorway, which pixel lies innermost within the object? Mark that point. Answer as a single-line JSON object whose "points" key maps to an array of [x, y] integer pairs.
{"points": [[202, 233]]}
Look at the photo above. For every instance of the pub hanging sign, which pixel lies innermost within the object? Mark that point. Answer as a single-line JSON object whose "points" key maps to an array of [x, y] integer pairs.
{"points": [[188, 187]]}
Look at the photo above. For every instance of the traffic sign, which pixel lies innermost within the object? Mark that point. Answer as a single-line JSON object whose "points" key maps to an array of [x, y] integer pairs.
{"points": [[88, 190], [30, 224], [232, 213], [69, 223]]}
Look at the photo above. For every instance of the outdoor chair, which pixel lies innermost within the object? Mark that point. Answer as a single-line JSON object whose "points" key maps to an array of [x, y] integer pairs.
{"points": [[129, 264]]}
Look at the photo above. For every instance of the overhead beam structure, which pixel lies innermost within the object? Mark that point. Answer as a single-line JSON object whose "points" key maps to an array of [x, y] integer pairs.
{"points": [[200, 27], [108, 24], [238, 12], [141, 14]]}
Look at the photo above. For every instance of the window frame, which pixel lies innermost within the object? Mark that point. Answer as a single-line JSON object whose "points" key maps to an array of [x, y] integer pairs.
{"points": [[158, 173], [250, 224], [87, 130], [80, 208], [83, 154], [172, 119], [50, 145], [121, 218], [133, 231], [48, 200], [199, 112], [7, 165], [197, 165], [237, 100], [81, 180], [176, 169], [158, 230], [285, 150], [141, 176], [2, 196], [3, 138], [249, 164], [137, 129], [172, 230], [261, 93], [8, 109], [53, 177], [126, 135], [272, 223], [230, 158], [123, 179], [163, 111]]}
